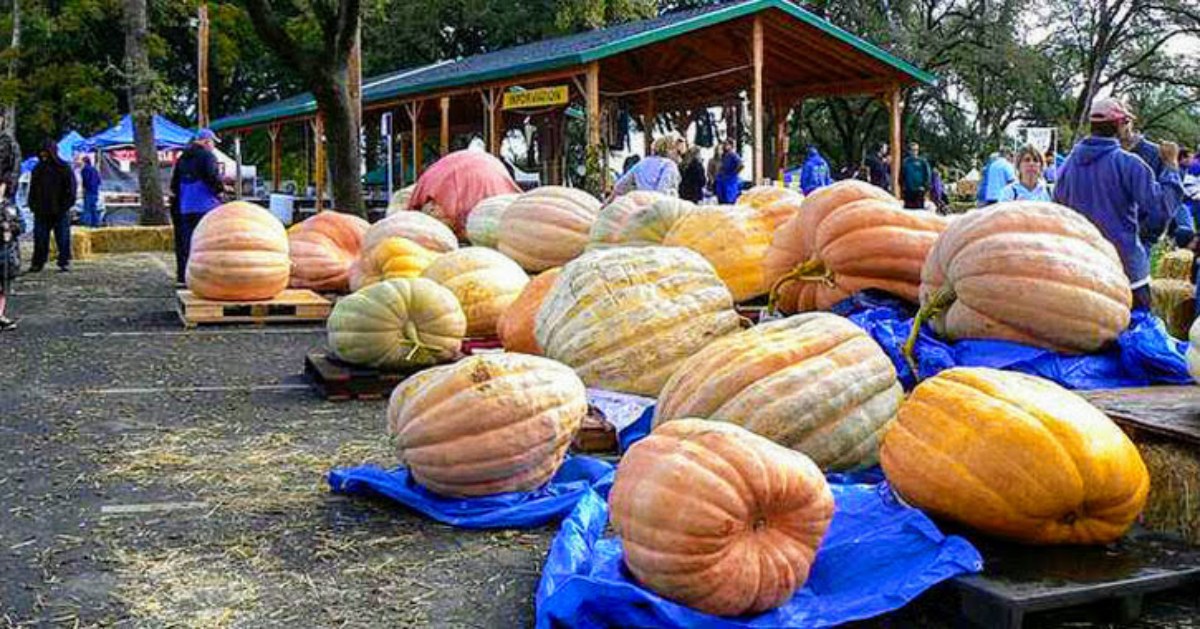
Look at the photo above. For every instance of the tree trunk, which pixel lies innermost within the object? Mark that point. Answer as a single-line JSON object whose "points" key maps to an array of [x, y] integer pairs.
{"points": [[141, 80], [341, 133], [10, 110]]}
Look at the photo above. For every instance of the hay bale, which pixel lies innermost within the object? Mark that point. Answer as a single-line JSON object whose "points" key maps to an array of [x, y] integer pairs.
{"points": [[1174, 502], [1176, 265], [133, 239], [1174, 302], [81, 245]]}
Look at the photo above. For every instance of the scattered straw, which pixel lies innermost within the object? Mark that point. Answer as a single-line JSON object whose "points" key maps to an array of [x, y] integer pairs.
{"points": [[1174, 503]]}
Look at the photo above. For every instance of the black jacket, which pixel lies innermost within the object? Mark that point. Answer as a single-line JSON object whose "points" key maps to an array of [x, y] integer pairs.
{"points": [[691, 181], [51, 189]]}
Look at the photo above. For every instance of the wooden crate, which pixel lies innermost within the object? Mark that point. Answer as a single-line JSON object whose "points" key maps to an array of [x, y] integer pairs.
{"points": [[338, 381], [290, 306]]}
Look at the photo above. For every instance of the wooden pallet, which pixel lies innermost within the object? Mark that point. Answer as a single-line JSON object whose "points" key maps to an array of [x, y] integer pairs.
{"points": [[1169, 412], [337, 381], [596, 435], [290, 306]]}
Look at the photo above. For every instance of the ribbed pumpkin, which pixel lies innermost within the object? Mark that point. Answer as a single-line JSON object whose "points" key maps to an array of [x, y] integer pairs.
{"points": [[1193, 351], [397, 324], [399, 200], [760, 197], [452, 186], [239, 252], [390, 259], [846, 238], [485, 282], [814, 382], [718, 518], [483, 223], [1014, 456], [650, 225], [488, 424], [515, 327], [733, 238], [625, 318], [613, 219], [781, 211], [547, 226], [1034, 273], [415, 226], [323, 248]]}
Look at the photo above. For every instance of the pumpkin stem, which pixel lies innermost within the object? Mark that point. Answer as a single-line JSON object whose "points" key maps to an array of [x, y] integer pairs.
{"points": [[414, 339], [812, 271], [938, 302]]}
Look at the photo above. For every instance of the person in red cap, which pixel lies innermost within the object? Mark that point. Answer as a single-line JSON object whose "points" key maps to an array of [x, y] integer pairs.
{"points": [[1119, 192]]}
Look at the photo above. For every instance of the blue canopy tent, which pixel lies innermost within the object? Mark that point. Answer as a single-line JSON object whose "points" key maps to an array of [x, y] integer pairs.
{"points": [[167, 135], [68, 147]]}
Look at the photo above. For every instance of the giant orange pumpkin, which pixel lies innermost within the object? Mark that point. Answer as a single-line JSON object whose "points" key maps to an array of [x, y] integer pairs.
{"points": [[717, 518], [515, 327], [760, 197], [547, 226], [483, 223], [613, 219], [1014, 456], [239, 252], [415, 226], [451, 187], [390, 259], [485, 282], [814, 382], [1034, 273], [323, 248], [488, 424], [848, 237], [733, 238]]}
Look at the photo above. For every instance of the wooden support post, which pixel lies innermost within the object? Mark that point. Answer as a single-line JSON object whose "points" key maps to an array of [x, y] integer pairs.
{"points": [[276, 157], [202, 66], [445, 134], [318, 126], [648, 117], [781, 111], [414, 116], [894, 104], [496, 116], [237, 178], [593, 105], [403, 162], [757, 95]]}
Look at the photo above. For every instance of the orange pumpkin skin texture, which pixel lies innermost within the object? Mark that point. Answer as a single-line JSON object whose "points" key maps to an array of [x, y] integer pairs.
{"points": [[1015, 456], [760, 197], [483, 223], [717, 518], [613, 219], [515, 327], [487, 424], [814, 382], [452, 186], [781, 211], [390, 259], [1034, 273], [485, 282], [734, 239], [239, 252], [626, 317], [323, 248], [867, 240], [547, 227], [415, 226]]}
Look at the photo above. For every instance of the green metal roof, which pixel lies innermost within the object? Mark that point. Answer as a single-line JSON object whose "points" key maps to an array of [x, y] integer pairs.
{"points": [[565, 52]]}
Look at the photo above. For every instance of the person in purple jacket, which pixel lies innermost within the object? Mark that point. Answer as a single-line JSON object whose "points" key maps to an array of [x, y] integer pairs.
{"points": [[1118, 191]]}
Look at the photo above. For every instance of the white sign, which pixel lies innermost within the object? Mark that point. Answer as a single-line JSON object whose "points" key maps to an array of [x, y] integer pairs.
{"points": [[1041, 138]]}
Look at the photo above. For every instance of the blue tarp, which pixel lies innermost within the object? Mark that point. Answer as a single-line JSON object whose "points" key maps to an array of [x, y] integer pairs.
{"points": [[877, 556], [167, 135], [514, 510], [1143, 355]]}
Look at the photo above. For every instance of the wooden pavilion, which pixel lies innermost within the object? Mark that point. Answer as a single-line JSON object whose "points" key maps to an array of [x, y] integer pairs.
{"points": [[774, 52]]}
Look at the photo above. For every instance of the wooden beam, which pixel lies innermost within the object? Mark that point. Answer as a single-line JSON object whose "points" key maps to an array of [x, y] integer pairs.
{"points": [[444, 145], [894, 105], [525, 80], [318, 126], [496, 120], [847, 88], [648, 116], [403, 162], [273, 132], [757, 95], [781, 111], [202, 66], [414, 116], [592, 96]]}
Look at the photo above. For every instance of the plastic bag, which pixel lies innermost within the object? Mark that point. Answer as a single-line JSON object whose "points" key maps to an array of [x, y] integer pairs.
{"points": [[877, 556], [551, 502]]}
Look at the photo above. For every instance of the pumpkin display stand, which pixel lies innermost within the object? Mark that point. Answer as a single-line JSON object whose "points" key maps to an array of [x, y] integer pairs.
{"points": [[290, 306], [337, 381]]}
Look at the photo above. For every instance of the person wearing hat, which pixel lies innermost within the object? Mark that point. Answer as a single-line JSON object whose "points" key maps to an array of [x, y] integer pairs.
{"points": [[1119, 192], [196, 188]]}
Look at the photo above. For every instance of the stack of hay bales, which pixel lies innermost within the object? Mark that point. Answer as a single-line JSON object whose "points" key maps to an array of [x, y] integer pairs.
{"points": [[132, 239], [1172, 293]]}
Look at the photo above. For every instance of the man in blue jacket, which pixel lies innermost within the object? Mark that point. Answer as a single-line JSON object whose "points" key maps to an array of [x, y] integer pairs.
{"points": [[815, 172], [196, 188], [90, 178], [1118, 191]]}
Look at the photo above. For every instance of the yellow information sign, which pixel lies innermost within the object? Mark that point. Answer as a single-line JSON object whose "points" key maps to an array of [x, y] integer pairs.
{"points": [[540, 97]]}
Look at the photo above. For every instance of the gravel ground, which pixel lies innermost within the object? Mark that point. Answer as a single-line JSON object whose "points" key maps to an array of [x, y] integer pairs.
{"points": [[153, 477]]}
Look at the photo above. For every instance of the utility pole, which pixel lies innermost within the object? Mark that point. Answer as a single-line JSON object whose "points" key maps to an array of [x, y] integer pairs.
{"points": [[202, 67]]}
